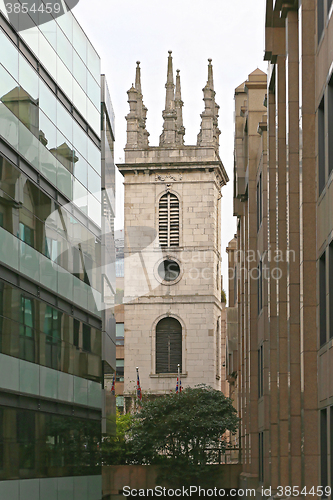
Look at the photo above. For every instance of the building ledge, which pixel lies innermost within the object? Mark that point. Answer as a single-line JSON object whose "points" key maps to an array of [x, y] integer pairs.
{"points": [[167, 375]]}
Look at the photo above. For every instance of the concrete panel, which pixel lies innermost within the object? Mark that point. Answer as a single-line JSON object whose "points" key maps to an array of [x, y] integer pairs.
{"points": [[94, 487], [29, 489], [94, 394], [48, 489], [48, 382], [29, 378], [9, 490], [9, 373], [65, 488], [65, 387]]}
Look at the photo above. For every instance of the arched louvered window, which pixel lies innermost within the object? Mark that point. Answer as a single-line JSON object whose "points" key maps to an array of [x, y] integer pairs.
{"points": [[168, 346], [168, 219]]}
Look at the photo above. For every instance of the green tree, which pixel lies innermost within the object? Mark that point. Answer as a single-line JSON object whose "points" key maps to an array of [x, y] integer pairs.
{"points": [[183, 434], [115, 449]]}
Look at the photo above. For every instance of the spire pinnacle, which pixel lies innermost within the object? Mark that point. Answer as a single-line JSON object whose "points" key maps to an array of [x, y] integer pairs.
{"points": [[169, 114], [138, 77], [210, 81], [179, 105], [170, 97], [178, 89], [209, 132], [137, 135]]}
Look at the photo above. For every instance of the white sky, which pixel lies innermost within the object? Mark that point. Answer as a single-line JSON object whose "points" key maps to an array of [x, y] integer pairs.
{"points": [[229, 32]]}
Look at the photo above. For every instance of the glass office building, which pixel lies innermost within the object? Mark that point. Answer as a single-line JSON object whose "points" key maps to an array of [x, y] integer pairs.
{"points": [[57, 279]]}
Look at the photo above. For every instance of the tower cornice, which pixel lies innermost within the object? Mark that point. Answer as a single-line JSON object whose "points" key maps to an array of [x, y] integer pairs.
{"points": [[156, 166]]}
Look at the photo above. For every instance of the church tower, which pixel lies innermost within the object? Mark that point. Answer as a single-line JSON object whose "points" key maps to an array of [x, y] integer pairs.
{"points": [[173, 312]]}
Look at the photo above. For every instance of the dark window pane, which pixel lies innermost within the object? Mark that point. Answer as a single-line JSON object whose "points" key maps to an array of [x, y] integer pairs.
{"points": [[321, 145], [25, 422], [120, 370], [322, 298], [168, 270], [331, 443], [27, 332], [26, 234], [323, 450], [330, 290], [168, 346], [330, 125], [320, 18], [76, 332], [1, 440], [86, 338]]}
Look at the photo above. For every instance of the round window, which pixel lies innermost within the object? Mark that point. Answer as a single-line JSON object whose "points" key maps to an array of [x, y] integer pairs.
{"points": [[168, 270]]}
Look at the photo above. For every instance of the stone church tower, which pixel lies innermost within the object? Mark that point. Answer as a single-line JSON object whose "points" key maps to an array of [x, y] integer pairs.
{"points": [[173, 311]]}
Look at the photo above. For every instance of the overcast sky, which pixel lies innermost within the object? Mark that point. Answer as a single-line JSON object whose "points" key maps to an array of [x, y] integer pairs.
{"points": [[229, 32]]}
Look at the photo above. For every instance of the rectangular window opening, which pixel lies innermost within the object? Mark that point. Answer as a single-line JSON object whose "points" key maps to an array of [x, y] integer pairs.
{"points": [[321, 145], [320, 18], [330, 124], [330, 288], [261, 457], [323, 450], [322, 299]]}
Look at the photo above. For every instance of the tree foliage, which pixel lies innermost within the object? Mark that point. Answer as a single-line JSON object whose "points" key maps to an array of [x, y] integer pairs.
{"points": [[115, 449], [183, 433]]}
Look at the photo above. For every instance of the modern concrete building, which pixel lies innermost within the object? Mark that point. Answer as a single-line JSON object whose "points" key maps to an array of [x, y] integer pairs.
{"points": [[57, 331], [283, 165], [172, 304]]}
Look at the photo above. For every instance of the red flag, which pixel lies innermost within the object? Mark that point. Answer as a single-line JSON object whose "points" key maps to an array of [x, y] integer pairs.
{"points": [[138, 387], [113, 388]]}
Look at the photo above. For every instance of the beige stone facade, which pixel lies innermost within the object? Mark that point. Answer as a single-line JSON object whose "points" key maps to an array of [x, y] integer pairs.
{"points": [[283, 169], [193, 175]]}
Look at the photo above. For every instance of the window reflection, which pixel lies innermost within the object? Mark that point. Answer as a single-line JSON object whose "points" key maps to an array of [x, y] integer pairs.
{"points": [[64, 79], [80, 99], [94, 91], [49, 28], [79, 71], [27, 341], [65, 50], [36, 444], [48, 102], [26, 436], [66, 25], [37, 332], [31, 215], [28, 78], [94, 63], [40, 115], [48, 56], [80, 41], [9, 55], [65, 122]]}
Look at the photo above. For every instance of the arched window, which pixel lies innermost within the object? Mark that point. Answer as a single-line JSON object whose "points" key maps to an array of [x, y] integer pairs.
{"points": [[168, 346], [168, 220]]}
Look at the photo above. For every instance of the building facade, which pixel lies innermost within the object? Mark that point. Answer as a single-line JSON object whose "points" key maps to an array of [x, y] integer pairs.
{"points": [[282, 196], [172, 295], [57, 333]]}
